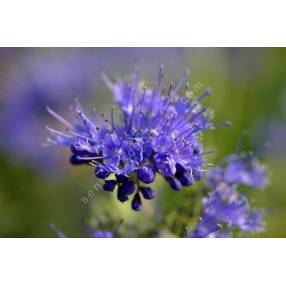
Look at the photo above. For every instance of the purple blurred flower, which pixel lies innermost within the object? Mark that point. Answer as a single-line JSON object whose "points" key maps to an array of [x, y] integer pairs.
{"points": [[241, 169], [228, 206], [102, 234], [270, 135], [40, 79], [208, 227], [226, 209], [273, 136]]}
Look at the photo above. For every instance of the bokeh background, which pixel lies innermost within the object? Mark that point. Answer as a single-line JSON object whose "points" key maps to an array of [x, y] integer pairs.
{"points": [[38, 187]]}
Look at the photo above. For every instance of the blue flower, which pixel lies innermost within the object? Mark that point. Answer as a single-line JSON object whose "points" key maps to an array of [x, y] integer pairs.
{"points": [[225, 208], [156, 132], [208, 228], [228, 206], [102, 234], [241, 169], [39, 79]]}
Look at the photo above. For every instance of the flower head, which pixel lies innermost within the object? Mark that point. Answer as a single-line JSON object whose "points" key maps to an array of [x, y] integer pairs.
{"points": [[225, 208], [240, 169], [157, 132], [208, 227], [229, 207]]}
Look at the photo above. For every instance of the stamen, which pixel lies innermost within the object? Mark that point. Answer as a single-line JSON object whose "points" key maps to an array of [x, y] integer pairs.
{"points": [[205, 94], [199, 113], [107, 82], [112, 117], [223, 124], [90, 158], [187, 87], [58, 117], [171, 85], [180, 84], [209, 152], [57, 132], [57, 231], [160, 76], [79, 135]]}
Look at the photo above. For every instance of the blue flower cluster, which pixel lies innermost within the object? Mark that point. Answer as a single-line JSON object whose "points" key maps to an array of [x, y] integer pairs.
{"points": [[155, 131], [92, 233], [226, 208]]}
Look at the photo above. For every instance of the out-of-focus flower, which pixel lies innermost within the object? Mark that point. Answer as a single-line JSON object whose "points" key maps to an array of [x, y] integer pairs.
{"points": [[93, 233], [273, 138], [225, 208], [102, 234], [208, 227], [228, 206], [57, 231], [270, 133], [240, 169], [156, 131], [36, 80]]}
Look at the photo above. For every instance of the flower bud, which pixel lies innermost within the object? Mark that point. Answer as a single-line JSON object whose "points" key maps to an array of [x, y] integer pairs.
{"points": [[122, 178], [146, 174], [174, 183], [187, 179], [127, 188], [180, 170], [136, 203], [121, 196], [198, 175], [109, 185], [148, 193], [101, 173]]}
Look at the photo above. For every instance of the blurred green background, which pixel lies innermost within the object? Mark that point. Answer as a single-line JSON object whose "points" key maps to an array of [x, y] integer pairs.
{"points": [[38, 187]]}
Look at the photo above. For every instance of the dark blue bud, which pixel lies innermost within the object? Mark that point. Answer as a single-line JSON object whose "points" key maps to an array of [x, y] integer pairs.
{"points": [[122, 178], [166, 165], [146, 174], [73, 149], [101, 173], [148, 193], [198, 175], [186, 179], [78, 151], [121, 196], [127, 188], [75, 161], [180, 170], [109, 185], [174, 183], [136, 203]]}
